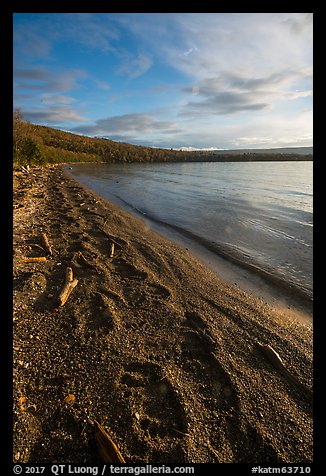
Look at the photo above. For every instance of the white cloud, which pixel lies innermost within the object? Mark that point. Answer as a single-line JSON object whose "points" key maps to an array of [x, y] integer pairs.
{"points": [[251, 44], [229, 93]]}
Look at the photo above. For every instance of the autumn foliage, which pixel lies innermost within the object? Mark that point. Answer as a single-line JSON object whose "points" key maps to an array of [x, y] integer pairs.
{"points": [[37, 145]]}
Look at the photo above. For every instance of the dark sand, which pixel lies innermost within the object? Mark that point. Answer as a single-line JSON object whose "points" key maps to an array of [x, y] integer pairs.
{"points": [[151, 343]]}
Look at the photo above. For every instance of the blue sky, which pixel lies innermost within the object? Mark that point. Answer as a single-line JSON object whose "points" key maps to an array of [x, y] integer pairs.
{"points": [[192, 80]]}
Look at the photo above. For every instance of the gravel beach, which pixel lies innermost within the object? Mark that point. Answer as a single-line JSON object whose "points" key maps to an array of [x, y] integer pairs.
{"points": [[175, 364]]}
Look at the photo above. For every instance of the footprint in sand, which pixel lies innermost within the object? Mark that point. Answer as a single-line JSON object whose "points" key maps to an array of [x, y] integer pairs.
{"points": [[127, 270], [101, 316], [216, 391], [146, 294], [65, 429], [155, 404], [198, 355], [158, 291]]}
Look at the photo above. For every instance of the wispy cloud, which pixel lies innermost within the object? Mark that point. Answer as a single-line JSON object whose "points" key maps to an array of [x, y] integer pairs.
{"points": [[96, 32], [102, 85], [224, 103], [57, 114], [34, 74], [31, 44], [127, 124], [37, 37], [43, 80], [230, 93], [57, 100], [135, 67]]}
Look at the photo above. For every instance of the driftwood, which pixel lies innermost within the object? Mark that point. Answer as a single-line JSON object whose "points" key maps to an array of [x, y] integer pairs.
{"points": [[276, 361], [69, 285], [35, 259], [46, 244], [107, 449]]}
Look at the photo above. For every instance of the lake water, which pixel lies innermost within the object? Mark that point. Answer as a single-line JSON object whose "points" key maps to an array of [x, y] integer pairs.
{"points": [[256, 214]]}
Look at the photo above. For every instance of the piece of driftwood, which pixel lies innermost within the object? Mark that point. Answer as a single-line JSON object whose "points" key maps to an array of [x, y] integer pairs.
{"points": [[69, 285], [46, 244], [107, 449], [276, 361], [35, 259], [112, 250]]}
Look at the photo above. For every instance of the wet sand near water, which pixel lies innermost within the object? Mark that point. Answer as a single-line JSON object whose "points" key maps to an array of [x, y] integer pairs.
{"points": [[153, 345]]}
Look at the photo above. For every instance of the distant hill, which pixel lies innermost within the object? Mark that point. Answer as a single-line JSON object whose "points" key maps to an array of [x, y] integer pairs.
{"points": [[275, 150], [34, 144]]}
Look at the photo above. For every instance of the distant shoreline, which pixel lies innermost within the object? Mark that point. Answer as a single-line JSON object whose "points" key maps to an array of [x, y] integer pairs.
{"points": [[41, 145]]}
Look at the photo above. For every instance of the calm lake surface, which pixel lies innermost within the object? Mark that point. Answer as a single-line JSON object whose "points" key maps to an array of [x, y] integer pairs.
{"points": [[256, 214]]}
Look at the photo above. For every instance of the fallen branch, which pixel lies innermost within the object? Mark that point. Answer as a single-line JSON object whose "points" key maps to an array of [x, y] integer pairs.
{"points": [[35, 259], [181, 432], [276, 361], [106, 220], [107, 449], [69, 285], [46, 244]]}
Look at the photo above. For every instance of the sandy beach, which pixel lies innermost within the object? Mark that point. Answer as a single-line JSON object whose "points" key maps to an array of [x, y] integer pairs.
{"points": [[177, 365]]}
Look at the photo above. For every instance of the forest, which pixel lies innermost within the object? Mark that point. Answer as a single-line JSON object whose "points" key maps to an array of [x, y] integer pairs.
{"points": [[40, 145]]}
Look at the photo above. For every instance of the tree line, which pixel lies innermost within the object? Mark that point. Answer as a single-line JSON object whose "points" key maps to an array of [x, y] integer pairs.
{"points": [[40, 145]]}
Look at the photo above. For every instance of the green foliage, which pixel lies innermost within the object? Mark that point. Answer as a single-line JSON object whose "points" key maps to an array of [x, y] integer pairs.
{"points": [[31, 150], [35, 144]]}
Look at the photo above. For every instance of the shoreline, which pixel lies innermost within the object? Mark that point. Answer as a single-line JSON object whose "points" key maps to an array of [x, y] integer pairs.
{"points": [[151, 343], [287, 300]]}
